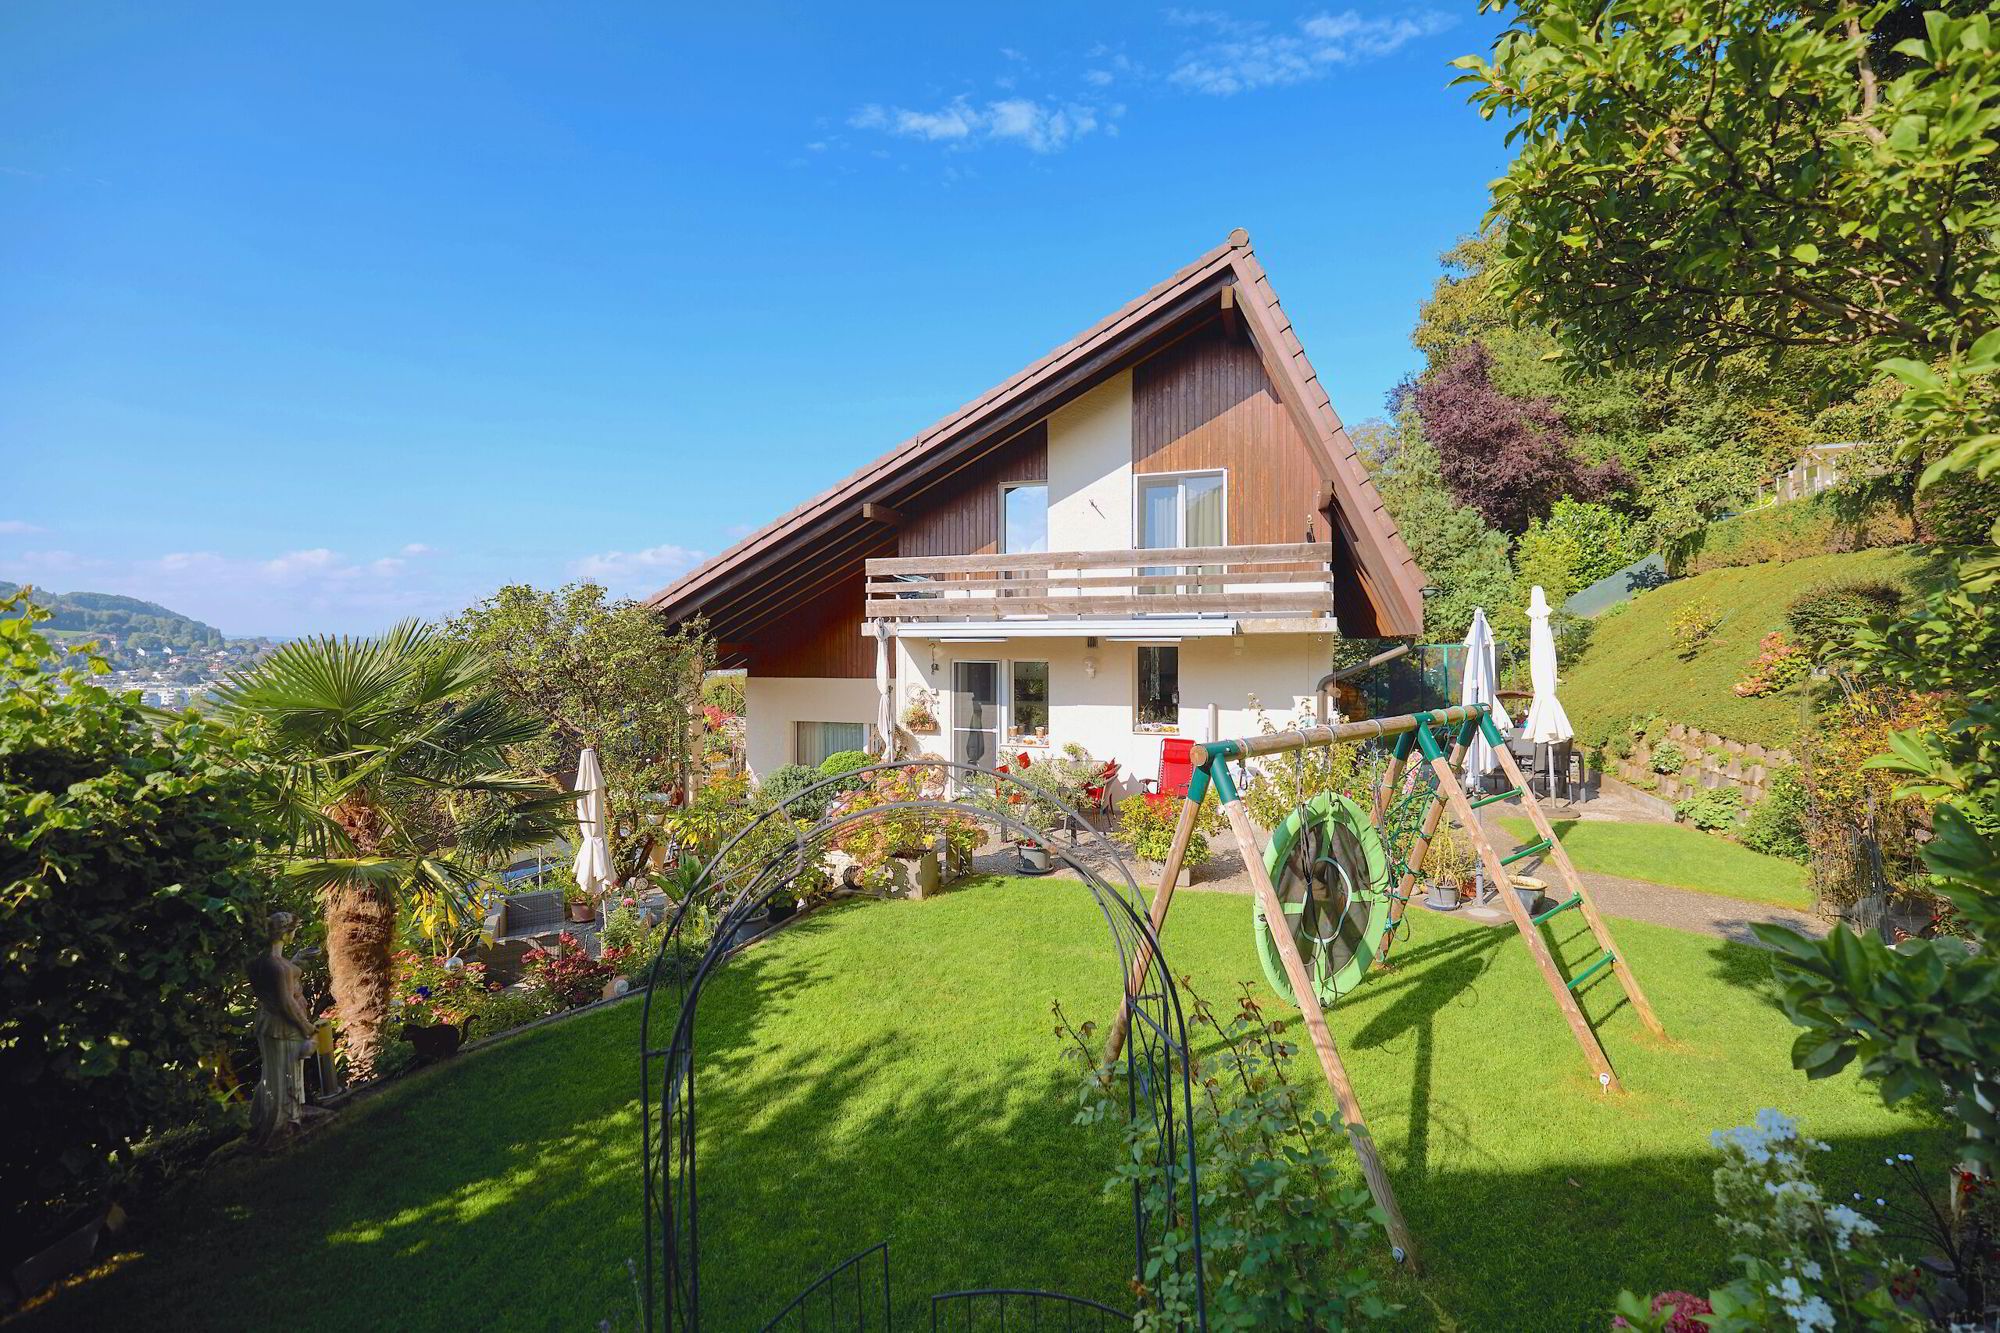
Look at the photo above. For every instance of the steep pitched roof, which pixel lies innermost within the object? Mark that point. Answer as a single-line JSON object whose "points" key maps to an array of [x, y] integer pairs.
{"points": [[1384, 564]]}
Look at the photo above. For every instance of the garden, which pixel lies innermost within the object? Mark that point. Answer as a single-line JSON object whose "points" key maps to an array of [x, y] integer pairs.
{"points": [[266, 1062]]}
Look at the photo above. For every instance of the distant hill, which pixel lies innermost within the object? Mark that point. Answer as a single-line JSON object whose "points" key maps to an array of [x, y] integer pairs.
{"points": [[131, 630]]}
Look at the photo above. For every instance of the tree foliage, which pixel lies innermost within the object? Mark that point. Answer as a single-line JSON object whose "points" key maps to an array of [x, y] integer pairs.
{"points": [[598, 673], [1508, 458], [131, 903], [1697, 181], [1461, 556]]}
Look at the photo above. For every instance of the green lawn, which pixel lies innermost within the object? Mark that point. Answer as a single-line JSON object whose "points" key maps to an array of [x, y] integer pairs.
{"points": [[1631, 669], [888, 1070], [1677, 855]]}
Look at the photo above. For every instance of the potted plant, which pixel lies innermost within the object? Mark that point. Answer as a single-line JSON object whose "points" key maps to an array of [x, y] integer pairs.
{"points": [[1448, 864], [582, 909], [1529, 890], [1034, 800]]}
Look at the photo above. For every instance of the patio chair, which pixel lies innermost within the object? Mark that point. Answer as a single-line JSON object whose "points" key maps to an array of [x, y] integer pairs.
{"points": [[515, 925], [1176, 768]]}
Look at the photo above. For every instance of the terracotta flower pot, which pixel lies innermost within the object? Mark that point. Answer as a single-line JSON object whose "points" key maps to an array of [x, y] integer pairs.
{"points": [[582, 913]]}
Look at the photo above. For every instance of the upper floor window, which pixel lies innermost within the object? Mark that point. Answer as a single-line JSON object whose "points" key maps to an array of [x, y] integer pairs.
{"points": [[1181, 510], [1024, 518]]}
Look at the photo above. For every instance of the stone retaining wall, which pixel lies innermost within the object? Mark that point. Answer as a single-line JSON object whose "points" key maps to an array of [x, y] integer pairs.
{"points": [[1713, 761]]}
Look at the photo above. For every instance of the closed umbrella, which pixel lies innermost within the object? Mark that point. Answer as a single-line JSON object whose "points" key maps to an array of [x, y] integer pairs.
{"points": [[1546, 723], [593, 846], [1481, 685], [885, 707]]}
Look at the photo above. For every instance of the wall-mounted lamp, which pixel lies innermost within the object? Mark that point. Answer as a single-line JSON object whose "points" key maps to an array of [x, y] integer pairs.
{"points": [[1090, 667]]}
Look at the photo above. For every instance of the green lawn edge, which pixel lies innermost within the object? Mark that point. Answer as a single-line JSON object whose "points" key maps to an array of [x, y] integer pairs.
{"points": [[1676, 856]]}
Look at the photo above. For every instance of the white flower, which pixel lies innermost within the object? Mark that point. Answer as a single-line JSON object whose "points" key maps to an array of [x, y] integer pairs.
{"points": [[1847, 1224], [1811, 1269], [1811, 1315]]}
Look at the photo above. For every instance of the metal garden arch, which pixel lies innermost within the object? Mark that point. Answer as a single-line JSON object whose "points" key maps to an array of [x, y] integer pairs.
{"points": [[1158, 1084]]}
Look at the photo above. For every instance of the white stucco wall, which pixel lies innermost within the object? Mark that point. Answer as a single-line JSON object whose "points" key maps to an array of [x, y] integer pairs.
{"points": [[1090, 470], [1097, 711], [772, 704]]}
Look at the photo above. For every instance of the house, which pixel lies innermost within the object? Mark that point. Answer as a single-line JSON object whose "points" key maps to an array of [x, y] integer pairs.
{"points": [[1134, 537]]}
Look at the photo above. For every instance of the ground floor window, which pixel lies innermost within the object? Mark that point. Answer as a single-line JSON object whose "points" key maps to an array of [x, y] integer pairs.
{"points": [[1159, 701], [812, 742], [1030, 700]]}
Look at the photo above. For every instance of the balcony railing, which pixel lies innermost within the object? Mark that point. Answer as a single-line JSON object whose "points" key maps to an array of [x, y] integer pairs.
{"points": [[1243, 581]]}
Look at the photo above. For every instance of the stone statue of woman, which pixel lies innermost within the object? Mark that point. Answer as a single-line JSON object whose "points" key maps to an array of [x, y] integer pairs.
{"points": [[284, 1035]]}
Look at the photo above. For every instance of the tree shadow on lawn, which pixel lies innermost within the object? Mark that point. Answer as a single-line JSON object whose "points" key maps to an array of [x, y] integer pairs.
{"points": [[498, 1190], [504, 1191]]}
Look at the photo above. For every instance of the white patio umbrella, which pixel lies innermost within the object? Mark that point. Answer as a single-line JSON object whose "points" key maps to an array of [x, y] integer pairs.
{"points": [[1546, 723], [885, 707], [1481, 685], [593, 846]]}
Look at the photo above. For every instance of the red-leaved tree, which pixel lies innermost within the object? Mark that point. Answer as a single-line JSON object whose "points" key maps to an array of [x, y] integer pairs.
{"points": [[1507, 458]]}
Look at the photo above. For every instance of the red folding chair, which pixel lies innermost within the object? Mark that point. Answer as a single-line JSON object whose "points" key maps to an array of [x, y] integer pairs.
{"points": [[1176, 768]]}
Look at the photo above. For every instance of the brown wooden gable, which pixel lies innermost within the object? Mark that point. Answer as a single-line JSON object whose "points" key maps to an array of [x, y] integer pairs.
{"points": [[1206, 403], [963, 518], [793, 572]]}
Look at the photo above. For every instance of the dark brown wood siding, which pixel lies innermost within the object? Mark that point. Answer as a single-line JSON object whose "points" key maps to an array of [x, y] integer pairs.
{"points": [[822, 638], [962, 516], [1206, 403]]}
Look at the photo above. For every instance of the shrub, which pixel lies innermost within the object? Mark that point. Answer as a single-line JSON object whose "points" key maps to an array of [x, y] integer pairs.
{"points": [[1714, 810], [872, 841], [566, 977], [1281, 783], [844, 761], [1778, 664], [1146, 822], [131, 906], [785, 783], [1692, 625], [1450, 858], [1815, 616], [1849, 805], [1286, 1239], [1776, 826], [1788, 531], [427, 991], [1667, 758]]}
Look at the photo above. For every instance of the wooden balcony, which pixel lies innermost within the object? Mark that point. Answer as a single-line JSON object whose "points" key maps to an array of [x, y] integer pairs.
{"points": [[1237, 581]]}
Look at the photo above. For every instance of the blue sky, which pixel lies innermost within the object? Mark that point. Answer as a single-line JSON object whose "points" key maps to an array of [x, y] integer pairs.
{"points": [[318, 317]]}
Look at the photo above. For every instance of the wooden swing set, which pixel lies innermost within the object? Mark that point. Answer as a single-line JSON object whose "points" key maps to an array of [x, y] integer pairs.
{"points": [[1411, 732]]}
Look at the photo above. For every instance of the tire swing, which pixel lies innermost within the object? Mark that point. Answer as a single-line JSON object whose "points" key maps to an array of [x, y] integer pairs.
{"points": [[1327, 863]]}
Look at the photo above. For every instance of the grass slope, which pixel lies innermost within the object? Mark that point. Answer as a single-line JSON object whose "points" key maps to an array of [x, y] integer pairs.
{"points": [[888, 1070], [1631, 671], [1677, 855]]}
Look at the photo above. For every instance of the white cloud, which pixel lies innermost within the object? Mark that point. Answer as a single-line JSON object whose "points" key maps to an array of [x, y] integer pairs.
{"points": [[1246, 55], [636, 573], [17, 527], [415, 549], [1039, 126]]}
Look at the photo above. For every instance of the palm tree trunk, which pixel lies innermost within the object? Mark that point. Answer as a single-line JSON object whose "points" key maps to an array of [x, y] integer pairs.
{"points": [[360, 947]]}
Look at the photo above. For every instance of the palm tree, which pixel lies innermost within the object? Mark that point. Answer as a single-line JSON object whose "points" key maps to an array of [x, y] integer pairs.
{"points": [[394, 755]]}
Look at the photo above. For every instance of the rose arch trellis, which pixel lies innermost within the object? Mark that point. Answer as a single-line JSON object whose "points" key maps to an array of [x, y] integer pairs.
{"points": [[1157, 1080]]}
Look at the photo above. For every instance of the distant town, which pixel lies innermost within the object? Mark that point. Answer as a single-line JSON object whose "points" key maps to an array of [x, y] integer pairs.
{"points": [[171, 660]]}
